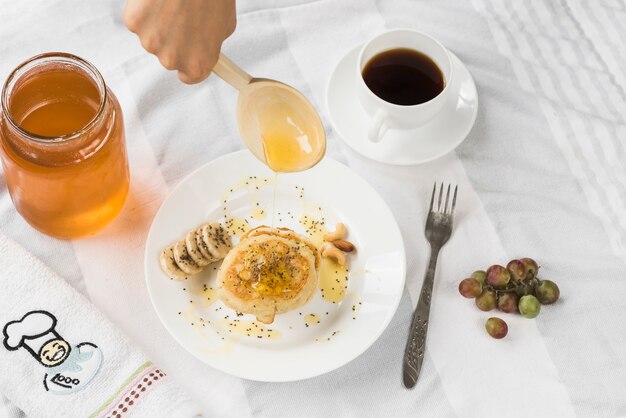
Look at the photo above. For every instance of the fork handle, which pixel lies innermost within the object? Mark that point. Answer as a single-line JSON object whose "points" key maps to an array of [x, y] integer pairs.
{"points": [[416, 344]]}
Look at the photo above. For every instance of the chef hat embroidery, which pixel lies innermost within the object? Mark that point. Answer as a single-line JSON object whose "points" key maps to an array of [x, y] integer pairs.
{"points": [[70, 368], [32, 332]]}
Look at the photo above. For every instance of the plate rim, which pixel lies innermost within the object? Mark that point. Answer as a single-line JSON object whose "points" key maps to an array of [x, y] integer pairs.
{"points": [[320, 371]]}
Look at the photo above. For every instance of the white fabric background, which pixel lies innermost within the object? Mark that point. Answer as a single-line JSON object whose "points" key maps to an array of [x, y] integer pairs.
{"points": [[542, 174]]}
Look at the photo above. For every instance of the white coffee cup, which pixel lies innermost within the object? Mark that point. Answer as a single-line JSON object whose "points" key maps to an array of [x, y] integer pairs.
{"points": [[385, 115]]}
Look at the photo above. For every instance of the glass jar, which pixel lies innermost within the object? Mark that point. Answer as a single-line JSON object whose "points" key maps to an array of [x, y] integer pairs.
{"points": [[62, 146]]}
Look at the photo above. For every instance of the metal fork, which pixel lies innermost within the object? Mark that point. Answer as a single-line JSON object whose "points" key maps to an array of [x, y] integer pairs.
{"points": [[438, 231]]}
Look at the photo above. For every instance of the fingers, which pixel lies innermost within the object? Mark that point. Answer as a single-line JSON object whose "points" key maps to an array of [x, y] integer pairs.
{"points": [[197, 68], [231, 23], [193, 78], [133, 16], [185, 35], [191, 67], [153, 43]]}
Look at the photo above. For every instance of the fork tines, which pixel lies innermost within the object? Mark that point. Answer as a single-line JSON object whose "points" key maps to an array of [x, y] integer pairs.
{"points": [[446, 209]]}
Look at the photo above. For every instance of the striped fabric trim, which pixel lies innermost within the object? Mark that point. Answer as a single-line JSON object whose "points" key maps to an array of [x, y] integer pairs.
{"points": [[129, 392], [566, 53], [133, 393]]}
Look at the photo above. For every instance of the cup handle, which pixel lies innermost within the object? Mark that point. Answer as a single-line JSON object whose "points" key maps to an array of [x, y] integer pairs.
{"points": [[378, 127]]}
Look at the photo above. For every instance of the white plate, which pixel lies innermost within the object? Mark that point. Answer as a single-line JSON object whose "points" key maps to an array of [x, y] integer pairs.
{"points": [[377, 268], [401, 147]]}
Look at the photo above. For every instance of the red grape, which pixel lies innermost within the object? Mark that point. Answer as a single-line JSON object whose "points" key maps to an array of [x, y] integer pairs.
{"points": [[507, 302], [531, 268], [470, 288], [517, 269], [496, 327], [498, 276]]}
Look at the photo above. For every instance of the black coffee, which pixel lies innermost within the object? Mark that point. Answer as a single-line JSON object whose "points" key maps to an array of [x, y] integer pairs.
{"points": [[403, 76]]}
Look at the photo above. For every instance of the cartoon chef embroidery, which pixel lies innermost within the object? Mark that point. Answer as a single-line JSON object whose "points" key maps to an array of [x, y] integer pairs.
{"points": [[70, 368]]}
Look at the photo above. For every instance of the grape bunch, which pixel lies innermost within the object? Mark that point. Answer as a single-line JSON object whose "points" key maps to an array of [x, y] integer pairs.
{"points": [[515, 288]]}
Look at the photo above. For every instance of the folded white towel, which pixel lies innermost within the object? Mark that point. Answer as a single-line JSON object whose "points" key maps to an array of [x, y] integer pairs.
{"points": [[60, 357]]}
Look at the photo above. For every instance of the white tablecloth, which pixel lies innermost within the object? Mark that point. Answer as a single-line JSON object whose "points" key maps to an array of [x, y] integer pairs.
{"points": [[542, 174]]}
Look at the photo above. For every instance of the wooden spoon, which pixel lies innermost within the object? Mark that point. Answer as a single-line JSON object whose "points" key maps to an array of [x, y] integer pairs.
{"points": [[262, 105]]}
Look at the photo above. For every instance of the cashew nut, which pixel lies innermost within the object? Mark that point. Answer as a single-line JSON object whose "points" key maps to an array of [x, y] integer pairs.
{"points": [[330, 251], [339, 233]]}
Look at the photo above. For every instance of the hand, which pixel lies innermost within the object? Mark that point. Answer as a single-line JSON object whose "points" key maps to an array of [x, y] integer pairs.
{"points": [[185, 35]]}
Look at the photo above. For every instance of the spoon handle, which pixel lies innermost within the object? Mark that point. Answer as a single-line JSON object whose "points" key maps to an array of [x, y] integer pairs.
{"points": [[231, 72]]}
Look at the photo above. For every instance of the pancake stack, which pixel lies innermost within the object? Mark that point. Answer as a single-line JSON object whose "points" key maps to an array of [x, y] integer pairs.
{"points": [[270, 271]]}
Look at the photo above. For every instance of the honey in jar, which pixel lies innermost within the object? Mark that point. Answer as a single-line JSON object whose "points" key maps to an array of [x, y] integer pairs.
{"points": [[62, 146]]}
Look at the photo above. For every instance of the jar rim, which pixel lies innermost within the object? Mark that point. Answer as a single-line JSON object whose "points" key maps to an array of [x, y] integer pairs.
{"points": [[46, 58]]}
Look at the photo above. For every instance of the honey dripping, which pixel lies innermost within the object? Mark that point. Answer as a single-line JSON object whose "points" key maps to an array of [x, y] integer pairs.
{"points": [[274, 199]]}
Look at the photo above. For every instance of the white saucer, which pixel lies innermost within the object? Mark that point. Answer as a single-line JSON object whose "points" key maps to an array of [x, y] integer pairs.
{"points": [[409, 147]]}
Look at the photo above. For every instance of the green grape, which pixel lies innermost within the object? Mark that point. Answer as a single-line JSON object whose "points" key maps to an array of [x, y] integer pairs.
{"points": [[547, 292], [480, 275], [529, 306], [486, 301]]}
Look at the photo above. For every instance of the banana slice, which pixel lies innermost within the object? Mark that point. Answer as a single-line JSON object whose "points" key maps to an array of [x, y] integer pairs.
{"points": [[194, 251], [217, 240], [199, 248], [204, 250], [224, 241], [169, 266], [184, 260]]}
